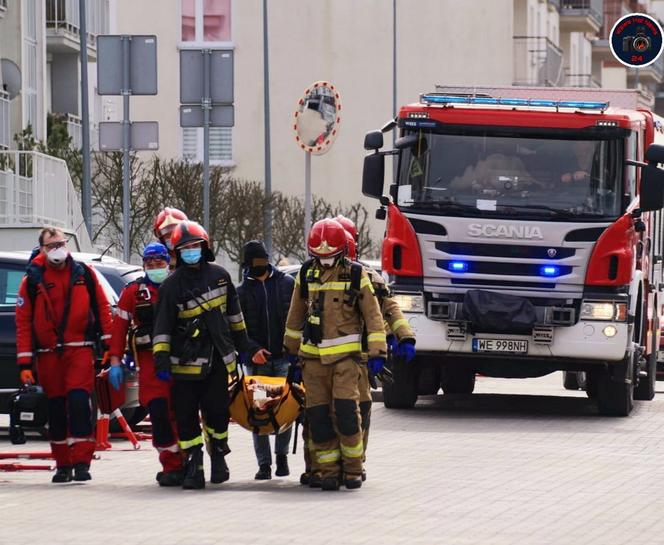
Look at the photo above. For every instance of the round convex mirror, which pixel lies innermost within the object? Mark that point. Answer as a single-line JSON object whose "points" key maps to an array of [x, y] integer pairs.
{"points": [[317, 118]]}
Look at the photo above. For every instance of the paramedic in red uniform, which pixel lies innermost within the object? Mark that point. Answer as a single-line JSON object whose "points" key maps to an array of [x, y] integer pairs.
{"points": [[61, 310], [135, 315]]}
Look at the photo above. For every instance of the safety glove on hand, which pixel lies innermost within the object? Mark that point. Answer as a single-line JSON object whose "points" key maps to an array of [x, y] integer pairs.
{"points": [[376, 364], [406, 350], [164, 375], [116, 376], [27, 377]]}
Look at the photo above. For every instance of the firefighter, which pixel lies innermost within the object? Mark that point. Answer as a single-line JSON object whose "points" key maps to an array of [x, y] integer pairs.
{"points": [[333, 303], [61, 313], [265, 295], [198, 328], [165, 223], [135, 315]]}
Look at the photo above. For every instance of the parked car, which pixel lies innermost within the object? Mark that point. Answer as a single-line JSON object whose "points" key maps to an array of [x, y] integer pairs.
{"points": [[115, 274]]}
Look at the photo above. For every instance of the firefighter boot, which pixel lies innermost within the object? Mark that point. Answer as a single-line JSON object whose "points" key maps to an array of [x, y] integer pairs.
{"points": [[62, 475], [82, 472], [219, 472], [170, 478], [330, 483], [282, 466], [194, 478]]}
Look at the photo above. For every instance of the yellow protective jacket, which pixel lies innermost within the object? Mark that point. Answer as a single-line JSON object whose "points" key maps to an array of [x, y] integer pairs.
{"points": [[395, 321], [342, 324]]}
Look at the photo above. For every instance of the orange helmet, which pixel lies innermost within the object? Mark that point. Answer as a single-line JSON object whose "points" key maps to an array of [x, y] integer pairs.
{"points": [[351, 247], [187, 232], [348, 224], [327, 238], [166, 221]]}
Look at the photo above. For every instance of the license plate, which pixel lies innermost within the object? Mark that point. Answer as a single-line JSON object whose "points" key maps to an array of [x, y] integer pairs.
{"points": [[500, 345]]}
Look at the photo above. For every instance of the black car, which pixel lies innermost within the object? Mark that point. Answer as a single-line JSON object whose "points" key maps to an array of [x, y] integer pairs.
{"points": [[114, 276]]}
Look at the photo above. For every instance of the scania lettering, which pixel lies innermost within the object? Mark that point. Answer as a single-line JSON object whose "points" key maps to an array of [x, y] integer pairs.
{"points": [[524, 237]]}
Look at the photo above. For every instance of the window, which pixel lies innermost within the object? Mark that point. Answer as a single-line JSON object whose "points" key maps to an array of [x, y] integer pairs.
{"points": [[206, 20], [30, 114], [10, 279], [221, 144]]}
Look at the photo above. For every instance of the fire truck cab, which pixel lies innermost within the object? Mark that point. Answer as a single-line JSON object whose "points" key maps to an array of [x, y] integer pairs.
{"points": [[524, 236]]}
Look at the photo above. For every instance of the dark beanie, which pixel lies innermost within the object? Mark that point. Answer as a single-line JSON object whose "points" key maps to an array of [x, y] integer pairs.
{"points": [[252, 250]]}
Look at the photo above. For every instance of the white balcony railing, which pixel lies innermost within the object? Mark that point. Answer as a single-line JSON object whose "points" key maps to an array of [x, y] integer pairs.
{"points": [[36, 190], [75, 130], [537, 61], [5, 136], [63, 16]]}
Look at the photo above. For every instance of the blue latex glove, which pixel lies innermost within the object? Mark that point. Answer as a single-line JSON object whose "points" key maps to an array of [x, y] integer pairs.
{"points": [[406, 350], [116, 376], [297, 373], [292, 359], [392, 344], [376, 364], [164, 375]]}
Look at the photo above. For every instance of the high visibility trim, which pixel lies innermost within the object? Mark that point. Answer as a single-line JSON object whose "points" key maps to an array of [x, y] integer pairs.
{"points": [[144, 339], [231, 367], [229, 357], [327, 456], [236, 318], [162, 339], [376, 337], [329, 286], [331, 350], [24, 355], [191, 443], [216, 435], [202, 299], [240, 326], [161, 347], [64, 442], [402, 322], [366, 283], [72, 440], [355, 451], [339, 340], [186, 369], [203, 307], [172, 448], [123, 314], [293, 334], [103, 337]]}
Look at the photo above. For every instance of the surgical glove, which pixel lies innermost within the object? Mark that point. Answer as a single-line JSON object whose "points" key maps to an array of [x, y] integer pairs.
{"points": [[116, 376], [392, 345], [376, 364], [406, 350], [27, 377], [164, 375]]}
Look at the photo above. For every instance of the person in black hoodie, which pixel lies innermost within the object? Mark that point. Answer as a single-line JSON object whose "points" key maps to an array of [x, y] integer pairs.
{"points": [[265, 296]]}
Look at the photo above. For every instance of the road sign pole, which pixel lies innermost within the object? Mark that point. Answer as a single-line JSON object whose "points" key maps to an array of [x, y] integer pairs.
{"points": [[267, 215], [126, 145], [307, 195], [86, 189], [207, 105]]}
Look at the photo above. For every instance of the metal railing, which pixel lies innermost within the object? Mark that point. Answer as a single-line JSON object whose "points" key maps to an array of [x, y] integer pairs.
{"points": [[537, 61], [3, 5], [63, 16], [5, 135], [592, 8], [74, 130], [581, 80], [35, 190], [555, 4]]}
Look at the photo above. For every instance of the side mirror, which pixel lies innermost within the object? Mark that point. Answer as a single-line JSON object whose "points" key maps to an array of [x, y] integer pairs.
{"points": [[407, 141], [655, 153], [652, 186], [373, 175], [373, 140]]}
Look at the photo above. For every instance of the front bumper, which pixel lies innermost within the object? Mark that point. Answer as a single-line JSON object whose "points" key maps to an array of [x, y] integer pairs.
{"points": [[583, 341]]}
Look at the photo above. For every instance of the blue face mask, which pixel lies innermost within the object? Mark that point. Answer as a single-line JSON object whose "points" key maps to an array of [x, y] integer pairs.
{"points": [[157, 276], [191, 256]]}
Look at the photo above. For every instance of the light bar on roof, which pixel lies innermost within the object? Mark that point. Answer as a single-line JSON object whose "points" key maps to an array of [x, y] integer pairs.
{"points": [[537, 103]]}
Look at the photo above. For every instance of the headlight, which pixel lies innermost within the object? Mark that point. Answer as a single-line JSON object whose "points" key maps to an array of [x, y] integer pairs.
{"points": [[603, 310], [409, 303]]}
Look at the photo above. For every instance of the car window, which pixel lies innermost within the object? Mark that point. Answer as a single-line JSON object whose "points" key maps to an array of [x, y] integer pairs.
{"points": [[111, 295], [10, 280]]}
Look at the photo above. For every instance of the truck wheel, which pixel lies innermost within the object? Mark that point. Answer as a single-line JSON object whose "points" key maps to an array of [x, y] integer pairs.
{"points": [[402, 392], [457, 380], [645, 391], [614, 398]]}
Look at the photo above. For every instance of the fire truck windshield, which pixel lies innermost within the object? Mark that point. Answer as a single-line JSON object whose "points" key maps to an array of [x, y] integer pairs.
{"points": [[520, 175]]}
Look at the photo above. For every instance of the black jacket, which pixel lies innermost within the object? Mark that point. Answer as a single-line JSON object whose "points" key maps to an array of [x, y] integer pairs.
{"points": [[265, 308], [198, 315]]}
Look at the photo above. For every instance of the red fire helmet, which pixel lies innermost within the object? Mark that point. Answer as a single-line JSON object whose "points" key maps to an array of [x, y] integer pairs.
{"points": [[327, 238], [187, 232], [166, 221], [348, 224], [351, 247]]}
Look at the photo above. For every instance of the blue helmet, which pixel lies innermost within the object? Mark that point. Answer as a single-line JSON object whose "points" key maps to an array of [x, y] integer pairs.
{"points": [[156, 250]]}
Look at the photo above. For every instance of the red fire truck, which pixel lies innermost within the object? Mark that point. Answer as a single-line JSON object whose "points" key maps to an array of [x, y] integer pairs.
{"points": [[524, 236]]}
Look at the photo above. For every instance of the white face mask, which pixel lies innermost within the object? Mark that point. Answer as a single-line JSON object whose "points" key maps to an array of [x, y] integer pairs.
{"points": [[327, 261], [57, 256]]}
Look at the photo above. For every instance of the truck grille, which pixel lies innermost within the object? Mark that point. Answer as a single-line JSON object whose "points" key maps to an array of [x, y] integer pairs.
{"points": [[504, 250], [504, 269]]}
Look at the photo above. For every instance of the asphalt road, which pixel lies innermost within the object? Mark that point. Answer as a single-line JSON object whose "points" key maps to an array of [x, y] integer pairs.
{"points": [[519, 461]]}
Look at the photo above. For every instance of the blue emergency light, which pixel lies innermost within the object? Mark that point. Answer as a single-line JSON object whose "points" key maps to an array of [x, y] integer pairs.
{"points": [[458, 266], [538, 103], [549, 270]]}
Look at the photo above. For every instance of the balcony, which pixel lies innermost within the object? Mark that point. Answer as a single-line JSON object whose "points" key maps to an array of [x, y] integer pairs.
{"points": [[5, 131], [63, 25], [3, 8], [36, 190], [650, 75], [581, 80], [74, 130], [581, 15], [554, 4], [537, 61]]}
